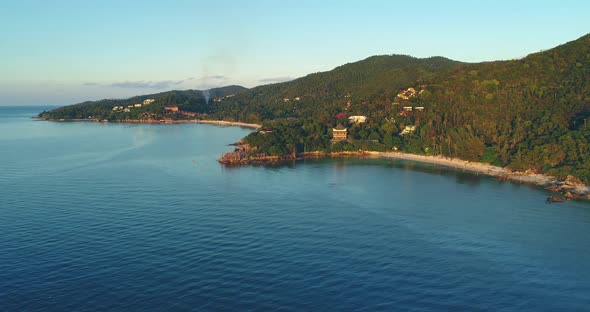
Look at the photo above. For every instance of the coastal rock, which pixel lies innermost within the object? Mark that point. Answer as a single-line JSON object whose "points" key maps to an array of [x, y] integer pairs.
{"points": [[573, 181], [503, 177], [245, 154], [553, 199]]}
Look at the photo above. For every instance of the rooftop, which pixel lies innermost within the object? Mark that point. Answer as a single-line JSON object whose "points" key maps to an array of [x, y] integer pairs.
{"points": [[340, 127]]}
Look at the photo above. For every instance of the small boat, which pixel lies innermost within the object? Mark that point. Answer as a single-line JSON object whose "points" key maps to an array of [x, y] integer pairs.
{"points": [[553, 199]]}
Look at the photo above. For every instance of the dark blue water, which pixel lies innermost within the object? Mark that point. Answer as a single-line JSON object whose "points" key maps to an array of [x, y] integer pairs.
{"points": [[142, 218]]}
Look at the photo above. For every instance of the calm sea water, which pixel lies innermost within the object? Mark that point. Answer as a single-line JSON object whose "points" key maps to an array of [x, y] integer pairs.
{"points": [[142, 218]]}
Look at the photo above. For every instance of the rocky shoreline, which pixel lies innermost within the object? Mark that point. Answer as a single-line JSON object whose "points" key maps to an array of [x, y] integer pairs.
{"points": [[570, 187], [243, 154]]}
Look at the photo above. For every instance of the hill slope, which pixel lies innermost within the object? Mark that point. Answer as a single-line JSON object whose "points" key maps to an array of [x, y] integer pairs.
{"points": [[323, 93], [530, 113]]}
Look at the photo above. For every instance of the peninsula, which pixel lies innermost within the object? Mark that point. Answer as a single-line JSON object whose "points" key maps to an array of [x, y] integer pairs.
{"points": [[525, 115]]}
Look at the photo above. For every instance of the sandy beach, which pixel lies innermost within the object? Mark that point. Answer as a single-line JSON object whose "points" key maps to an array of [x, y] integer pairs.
{"points": [[495, 171], [444, 161], [578, 189]]}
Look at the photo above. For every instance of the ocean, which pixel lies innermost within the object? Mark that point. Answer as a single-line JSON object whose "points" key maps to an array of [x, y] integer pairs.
{"points": [[137, 217]]}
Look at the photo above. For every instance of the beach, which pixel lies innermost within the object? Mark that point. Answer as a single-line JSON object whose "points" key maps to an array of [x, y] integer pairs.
{"points": [[569, 185], [445, 161]]}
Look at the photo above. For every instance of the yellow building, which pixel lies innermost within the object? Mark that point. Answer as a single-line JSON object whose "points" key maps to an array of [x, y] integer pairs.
{"points": [[340, 133]]}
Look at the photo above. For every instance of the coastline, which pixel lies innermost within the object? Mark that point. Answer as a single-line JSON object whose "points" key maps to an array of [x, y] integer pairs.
{"points": [[570, 187], [165, 121], [476, 167]]}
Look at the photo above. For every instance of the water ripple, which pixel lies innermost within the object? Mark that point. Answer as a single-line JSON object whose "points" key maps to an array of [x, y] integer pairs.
{"points": [[83, 230]]}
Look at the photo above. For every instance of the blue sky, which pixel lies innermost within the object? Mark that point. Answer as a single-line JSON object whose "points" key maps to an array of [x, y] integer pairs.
{"points": [[62, 52]]}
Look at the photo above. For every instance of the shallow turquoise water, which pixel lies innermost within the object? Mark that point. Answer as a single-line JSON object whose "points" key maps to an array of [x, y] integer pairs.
{"points": [[141, 217]]}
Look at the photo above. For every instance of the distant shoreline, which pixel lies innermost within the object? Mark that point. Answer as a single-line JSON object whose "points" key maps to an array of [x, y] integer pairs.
{"points": [[138, 121], [228, 123]]}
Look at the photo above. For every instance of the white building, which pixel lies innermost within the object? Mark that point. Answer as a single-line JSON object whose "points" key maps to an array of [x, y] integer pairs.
{"points": [[357, 119], [408, 129]]}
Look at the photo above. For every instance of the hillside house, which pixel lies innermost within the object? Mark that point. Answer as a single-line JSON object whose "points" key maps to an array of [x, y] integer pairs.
{"points": [[148, 101], [340, 133], [408, 108], [357, 119], [408, 129], [419, 108], [138, 105], [407, 94], [171, 108]]}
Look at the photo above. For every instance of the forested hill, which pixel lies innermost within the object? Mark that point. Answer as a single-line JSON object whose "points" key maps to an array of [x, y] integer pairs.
{"points": [[530, 113], [186, 100], [374, 79]]}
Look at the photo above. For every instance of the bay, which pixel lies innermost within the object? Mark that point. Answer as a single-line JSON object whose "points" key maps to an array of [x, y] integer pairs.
{"points": [[97, 216]]}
